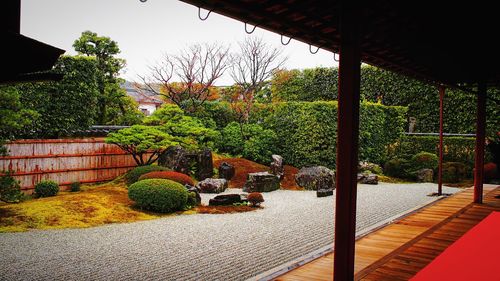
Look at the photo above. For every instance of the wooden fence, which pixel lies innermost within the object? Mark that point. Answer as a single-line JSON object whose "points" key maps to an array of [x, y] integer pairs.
{"points": [[65, 161]]}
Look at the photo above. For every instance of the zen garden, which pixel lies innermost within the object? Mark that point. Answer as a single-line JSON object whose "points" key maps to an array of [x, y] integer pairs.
{"points": [[174, 177]]}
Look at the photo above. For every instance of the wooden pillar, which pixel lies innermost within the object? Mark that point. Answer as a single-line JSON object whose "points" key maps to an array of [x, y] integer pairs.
{"points": [[480, 138], [440, 166], [347, 142]]}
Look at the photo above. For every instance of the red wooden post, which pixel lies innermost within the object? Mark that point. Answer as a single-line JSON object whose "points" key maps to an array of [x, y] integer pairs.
{"points": [[480, 138], [440, 167], [347, 142]]}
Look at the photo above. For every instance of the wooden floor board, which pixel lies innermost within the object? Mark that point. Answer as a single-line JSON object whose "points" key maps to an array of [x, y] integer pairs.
{"points": [[398, 251]]}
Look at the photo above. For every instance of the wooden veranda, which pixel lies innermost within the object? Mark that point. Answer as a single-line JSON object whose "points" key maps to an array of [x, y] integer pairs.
{"points": [[399, 250]]}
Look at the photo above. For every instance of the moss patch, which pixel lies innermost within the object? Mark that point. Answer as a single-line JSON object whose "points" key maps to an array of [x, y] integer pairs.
{"points": [[98, 205]]}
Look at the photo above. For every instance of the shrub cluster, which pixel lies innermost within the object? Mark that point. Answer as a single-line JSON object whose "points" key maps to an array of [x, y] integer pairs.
{"points": [[169, 175], [454, 172], [10, 190], [159, 195], [46, 188], [133, 175], [75, 186]]}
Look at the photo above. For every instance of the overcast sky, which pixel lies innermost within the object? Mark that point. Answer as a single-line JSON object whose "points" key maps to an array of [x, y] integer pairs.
{"points": [[146, 30]]}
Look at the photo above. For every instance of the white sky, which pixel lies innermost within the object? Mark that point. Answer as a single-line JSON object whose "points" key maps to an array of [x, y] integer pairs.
{"points": [[146, 30]]}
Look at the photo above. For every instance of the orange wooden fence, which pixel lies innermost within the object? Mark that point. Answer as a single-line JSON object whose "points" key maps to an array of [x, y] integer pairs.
{"points": [[64, 161]]}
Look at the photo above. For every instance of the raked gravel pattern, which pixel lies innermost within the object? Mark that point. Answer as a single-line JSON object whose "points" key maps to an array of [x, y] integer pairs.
{"points": [[200, 247]]}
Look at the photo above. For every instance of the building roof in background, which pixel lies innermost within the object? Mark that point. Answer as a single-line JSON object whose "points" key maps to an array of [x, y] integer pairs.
{"points": [[140, 94]]}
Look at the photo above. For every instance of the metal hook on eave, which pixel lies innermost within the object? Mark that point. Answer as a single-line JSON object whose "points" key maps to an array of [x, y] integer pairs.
{"points": [[199, 14], [335, 57], [310, 50], [246, 29], [288, 42]]}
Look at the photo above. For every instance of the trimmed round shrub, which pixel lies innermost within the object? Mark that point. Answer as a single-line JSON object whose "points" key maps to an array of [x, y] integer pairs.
{"points": [[133, 175], [255, 198], [396, 168], [454, 172], [192, 200], [46, 188], [158, 195], [169, 175], [75, 186], [423, 160]]}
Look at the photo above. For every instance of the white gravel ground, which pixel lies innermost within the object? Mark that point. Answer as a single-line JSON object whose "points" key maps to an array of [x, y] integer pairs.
{"points": [[200, 247]]}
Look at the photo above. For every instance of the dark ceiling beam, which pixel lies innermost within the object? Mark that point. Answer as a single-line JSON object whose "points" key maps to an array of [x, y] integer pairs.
{"points": [[10, 16]]}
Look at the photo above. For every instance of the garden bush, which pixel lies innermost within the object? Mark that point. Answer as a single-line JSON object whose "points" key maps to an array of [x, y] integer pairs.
{"points": [[133, 175], [159, 195], [46, 188], [454, 172], [75, 186], [10, 190], [169, 175], [396, 167], [191, 200], [423, 160], [255, 198]]}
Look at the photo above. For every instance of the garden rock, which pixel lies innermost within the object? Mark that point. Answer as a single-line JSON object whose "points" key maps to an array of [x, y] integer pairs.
{"points": [[194, 189], [177, 159], [212, 185], [226, 171], [425, 175], [367, 166], [316, 178], [205, 166], [324, 192], [277, 166], [261, 182], [225, 199], [367, 178]]}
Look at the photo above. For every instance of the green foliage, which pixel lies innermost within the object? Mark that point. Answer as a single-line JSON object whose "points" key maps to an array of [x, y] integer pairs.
{"points": [[455, 149], [220, 112], [46, 188], [397, 168], [391, 89], [191, 200], [257, 143], [454, 172], [133, 175], [75, 186], [188, 131], [423, 160], [13, 117], [159, 195], [10, 190]]}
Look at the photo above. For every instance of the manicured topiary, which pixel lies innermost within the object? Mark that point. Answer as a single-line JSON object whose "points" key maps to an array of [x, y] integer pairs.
{"points": [[158, 195], [192, 201], [396, 168], [75, 186], [133, 175], [46, 188], [169, 175], [255, 198], [454, 172], [424, 160]]}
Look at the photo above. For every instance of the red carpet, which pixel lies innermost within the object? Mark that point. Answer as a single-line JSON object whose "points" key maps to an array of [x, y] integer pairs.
{"points": [[475, 256]]}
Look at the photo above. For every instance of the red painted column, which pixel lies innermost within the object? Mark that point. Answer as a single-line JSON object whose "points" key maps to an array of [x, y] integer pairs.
{"points": [[440, 166], [480, 138], [347, 142]]}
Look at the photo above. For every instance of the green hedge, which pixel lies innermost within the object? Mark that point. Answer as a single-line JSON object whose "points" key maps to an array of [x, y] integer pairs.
{"points": [[159, 195], [456, 149]]}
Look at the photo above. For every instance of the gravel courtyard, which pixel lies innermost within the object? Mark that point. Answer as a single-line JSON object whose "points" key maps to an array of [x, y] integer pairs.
{"points": [[200, 247]]}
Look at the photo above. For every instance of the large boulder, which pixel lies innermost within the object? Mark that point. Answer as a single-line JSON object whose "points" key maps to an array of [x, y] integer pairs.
{"points": [[261, 182], [226, 199], [177, 159], [226, 171], [425, 175], [277, 166], [212, 185], [324, 192], [367, 178], [205, 166], [316, 178]]}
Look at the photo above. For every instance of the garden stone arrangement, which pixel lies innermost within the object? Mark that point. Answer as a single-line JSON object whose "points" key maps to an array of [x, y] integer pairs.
{"points": [[191, 247], [317, 178], [261, 182]]}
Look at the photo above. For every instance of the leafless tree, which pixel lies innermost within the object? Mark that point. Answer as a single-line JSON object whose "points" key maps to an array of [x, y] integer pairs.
{"points": [[197, 67], [252, 67]]}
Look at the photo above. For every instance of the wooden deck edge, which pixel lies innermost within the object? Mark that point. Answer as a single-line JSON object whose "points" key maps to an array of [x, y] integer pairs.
{"points": [[323, 251]]}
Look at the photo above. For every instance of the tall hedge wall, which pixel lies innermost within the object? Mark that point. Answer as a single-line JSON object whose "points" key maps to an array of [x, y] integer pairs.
{"points": [[390, 88]]}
